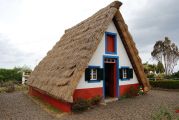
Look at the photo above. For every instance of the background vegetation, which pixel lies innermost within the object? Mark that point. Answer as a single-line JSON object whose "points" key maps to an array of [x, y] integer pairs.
{"points": [[11, 79], [166, 84], [167, 53], [14, 74]]}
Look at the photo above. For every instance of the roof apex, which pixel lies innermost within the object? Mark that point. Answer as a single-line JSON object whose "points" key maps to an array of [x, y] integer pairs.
{"points": [[116, 4]]}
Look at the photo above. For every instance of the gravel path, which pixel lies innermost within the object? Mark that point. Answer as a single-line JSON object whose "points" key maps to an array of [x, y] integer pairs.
{"points": [[138, 108], [17, 106]]}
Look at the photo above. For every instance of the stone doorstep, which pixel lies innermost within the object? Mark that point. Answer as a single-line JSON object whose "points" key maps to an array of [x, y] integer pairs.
{"points": [[108, 100]]}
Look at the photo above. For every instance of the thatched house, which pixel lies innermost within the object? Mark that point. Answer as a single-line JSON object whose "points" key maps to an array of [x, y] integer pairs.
{"points": [[95, 57]]}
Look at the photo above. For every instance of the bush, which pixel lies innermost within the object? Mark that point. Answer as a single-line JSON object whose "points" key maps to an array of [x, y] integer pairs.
{"points": [[95, 100], [2, 89], [80, 105], [10, 87], [160, 77], [162, 114], [168, 84], [132, 92], [151, 75], [141, 91], [21, 87], [10, 75]]}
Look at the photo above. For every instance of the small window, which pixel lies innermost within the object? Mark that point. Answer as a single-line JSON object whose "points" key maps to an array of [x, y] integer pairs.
{"points": [[110, 47], [110, 43], [109, 60], [93, 74], [126, 73]]}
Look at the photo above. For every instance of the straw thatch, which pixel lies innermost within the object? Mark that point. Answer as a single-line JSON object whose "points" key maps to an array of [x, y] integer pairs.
{"points": [[59, 72]]}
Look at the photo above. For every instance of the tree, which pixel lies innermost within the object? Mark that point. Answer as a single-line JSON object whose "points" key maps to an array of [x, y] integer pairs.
{"points": [[167, 53], [10, 74], [149, 68], [160, 68]]}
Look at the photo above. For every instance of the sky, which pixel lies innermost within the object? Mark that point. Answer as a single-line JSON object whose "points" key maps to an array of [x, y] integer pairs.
{"points": [[30, 28]]}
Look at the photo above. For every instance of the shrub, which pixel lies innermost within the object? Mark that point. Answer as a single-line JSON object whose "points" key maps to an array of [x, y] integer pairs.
{"points": [[80, 105], [10, 87], [160, 77], [140, 91], [2, 89], [162, 114], [168, 84], [10, 74], [174, 76], [21, 87], [95, 100], [151, 75], [132, 92]]}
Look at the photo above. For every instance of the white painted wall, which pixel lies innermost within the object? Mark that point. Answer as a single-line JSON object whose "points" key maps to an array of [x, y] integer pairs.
{"points": [[97, 60]]}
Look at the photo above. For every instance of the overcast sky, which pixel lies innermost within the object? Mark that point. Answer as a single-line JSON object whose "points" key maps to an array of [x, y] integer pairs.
{"points": [[30, 28]]}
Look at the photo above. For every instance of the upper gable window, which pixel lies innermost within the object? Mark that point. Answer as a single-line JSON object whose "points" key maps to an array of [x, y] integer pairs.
{"points": [[110, 41]]}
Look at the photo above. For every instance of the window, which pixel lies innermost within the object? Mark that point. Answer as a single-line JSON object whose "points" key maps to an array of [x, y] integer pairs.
{"points": [[110, 41], [109, 60], [93, 74], [126, 73]]}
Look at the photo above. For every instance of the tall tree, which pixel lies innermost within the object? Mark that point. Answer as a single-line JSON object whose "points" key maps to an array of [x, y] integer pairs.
{"points": [[167, 53]]}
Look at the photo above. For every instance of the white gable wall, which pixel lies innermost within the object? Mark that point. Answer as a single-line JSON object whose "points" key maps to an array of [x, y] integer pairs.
{"points": [[97, 60]]}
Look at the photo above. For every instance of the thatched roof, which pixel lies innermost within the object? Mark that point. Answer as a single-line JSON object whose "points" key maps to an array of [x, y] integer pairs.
{"points": [[59, 72]]}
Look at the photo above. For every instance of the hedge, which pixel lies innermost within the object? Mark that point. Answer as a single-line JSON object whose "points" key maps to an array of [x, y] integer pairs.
{"points": [[168, 84]]}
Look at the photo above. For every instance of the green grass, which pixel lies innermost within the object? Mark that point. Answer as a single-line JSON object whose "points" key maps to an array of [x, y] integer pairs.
{"points": [[46, 106], [51, 108]]}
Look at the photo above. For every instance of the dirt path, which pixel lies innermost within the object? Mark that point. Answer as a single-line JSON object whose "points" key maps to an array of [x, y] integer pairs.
{"points": [[17, 106]]}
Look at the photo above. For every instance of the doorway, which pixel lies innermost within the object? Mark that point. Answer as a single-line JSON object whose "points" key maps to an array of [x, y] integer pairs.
{"points": [[110, 82]]}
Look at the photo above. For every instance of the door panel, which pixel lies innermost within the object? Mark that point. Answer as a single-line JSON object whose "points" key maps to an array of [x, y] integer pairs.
{"points": [[110, 79]]}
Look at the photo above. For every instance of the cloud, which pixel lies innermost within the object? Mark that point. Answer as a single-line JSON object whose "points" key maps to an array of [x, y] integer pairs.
{"points": [[151, 21], [31, 28], [156, 20], [11, 56]]}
